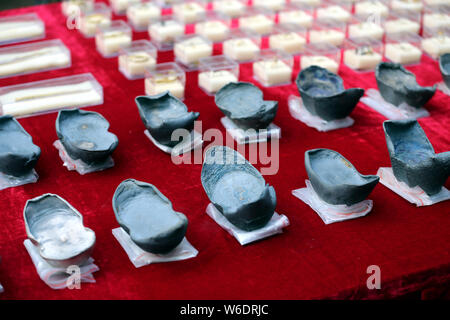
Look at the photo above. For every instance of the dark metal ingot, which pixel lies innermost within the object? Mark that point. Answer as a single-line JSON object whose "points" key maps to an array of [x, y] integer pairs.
{"points": [[413, 158], [237, 189], [148, 217], [85, 135], [398, 85], [323, 94], [335, 179], [243, 103], [162, 114]]}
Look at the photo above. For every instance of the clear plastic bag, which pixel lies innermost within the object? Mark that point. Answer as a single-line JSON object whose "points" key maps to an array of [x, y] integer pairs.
{"points": [[195, 141], [331, 213], [140, 258], [78, 165], [299, 112], [273, 227], [374, 100], [250, 136], [58, 278], [443, 87], [414, 195], [7, 181]]}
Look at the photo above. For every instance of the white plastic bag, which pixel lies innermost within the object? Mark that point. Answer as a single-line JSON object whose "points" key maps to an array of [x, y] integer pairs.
{"points": [[274, 226], [140, 258], [299, 112], [7, 181], [331, 213], [414, 195], [58, 278], [443, 87], [184, 146], [374, 100], [78, 165], [250, 136]]}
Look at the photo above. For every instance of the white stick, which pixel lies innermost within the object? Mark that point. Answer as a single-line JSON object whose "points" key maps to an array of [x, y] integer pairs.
{"points": [[32, 61], [19, 30], [27, 101]]}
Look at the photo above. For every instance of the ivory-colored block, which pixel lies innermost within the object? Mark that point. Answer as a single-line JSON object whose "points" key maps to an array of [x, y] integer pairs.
{"points": [[366, 30], [165, 31], [436, 46], [213, 81], [240, 49], [90, 23], [436, 20], [121, 6], [403, 52], [402, 25], [410, 5], [274, 5], [297, 17], [272, 72], [321, 61], [110, 43], [258, 23], [142, 14], [135, 63], [188, 12], [215, 30], [333, 37], [333, 13], [367, 8], [231, 8], [289, 42], [191, 50], [157, 86], [362, 58]]}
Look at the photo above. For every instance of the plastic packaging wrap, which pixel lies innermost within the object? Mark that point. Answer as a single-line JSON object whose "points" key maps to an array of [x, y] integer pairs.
{"points": [[35, 57], [331, 213], [141, 258], [299, 112], [250, 136], [58, 278], [414, 195], [441, 86], [51, 95], [21, 28], [195, 141], [273, 227], [374, 100], [78, 165], [7, 181]]}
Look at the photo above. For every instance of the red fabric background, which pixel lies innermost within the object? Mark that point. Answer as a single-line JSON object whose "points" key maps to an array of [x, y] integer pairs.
{"points": [[309, 260]]}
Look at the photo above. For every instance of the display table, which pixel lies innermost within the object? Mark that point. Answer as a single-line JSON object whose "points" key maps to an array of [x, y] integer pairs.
{"points": [[309, 260]]}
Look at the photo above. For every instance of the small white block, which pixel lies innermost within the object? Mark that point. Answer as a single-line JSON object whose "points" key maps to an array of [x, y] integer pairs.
{"points": [[274, 226], [414, 195], [330, 213], [242, 136], [374, 100], [57, 278], [299, 112], [140, 258]]}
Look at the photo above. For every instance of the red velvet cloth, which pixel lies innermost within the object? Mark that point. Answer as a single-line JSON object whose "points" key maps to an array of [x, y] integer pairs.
{"points": [[309, 260]]}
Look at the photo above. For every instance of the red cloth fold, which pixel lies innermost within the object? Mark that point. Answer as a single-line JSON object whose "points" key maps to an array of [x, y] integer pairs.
{"points": [[309, 260]]}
